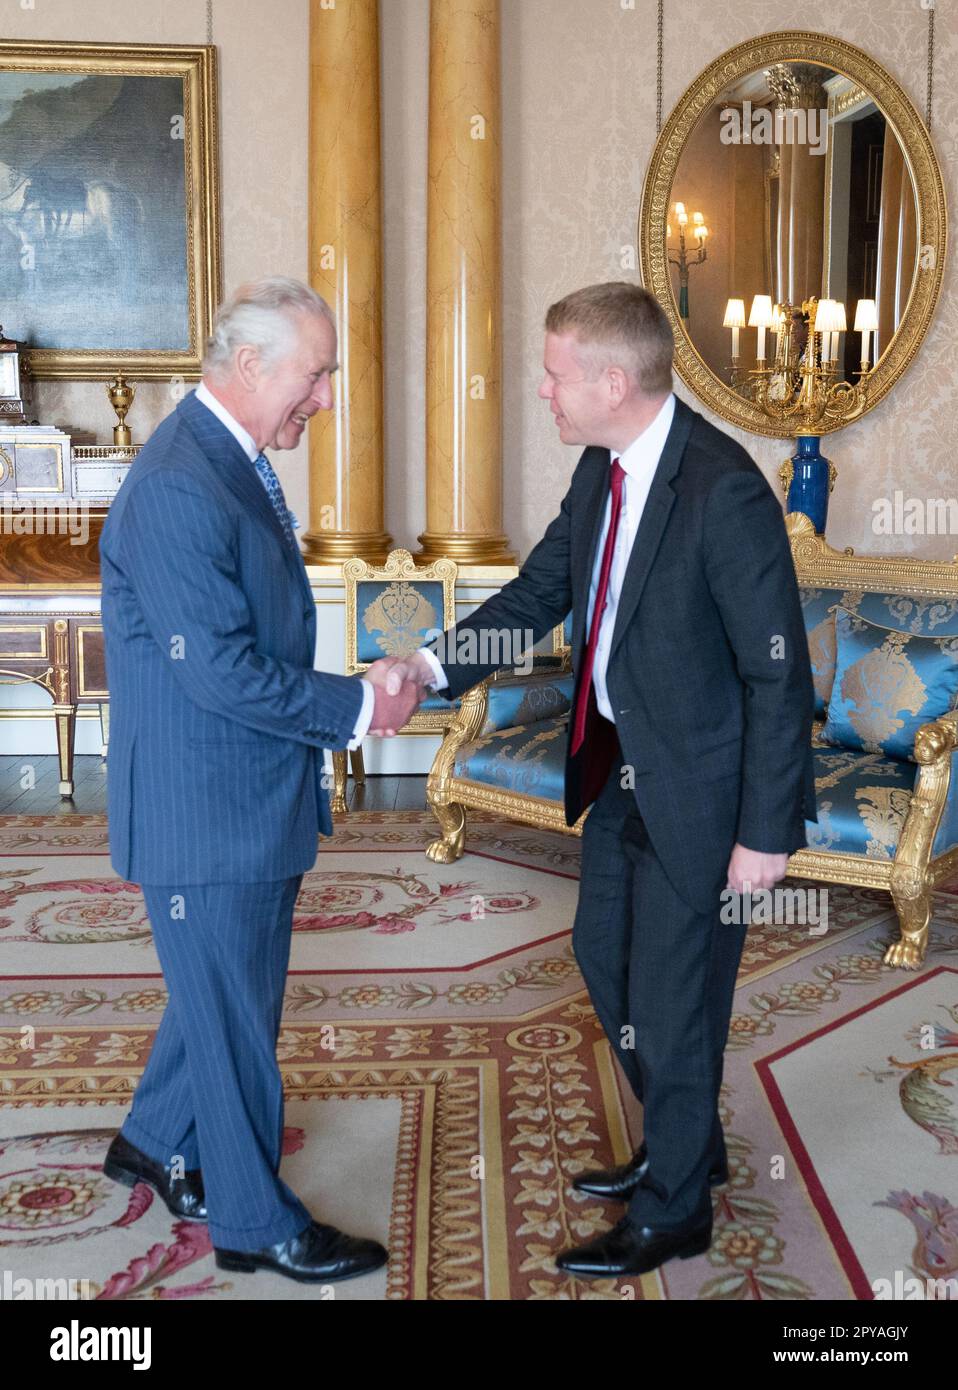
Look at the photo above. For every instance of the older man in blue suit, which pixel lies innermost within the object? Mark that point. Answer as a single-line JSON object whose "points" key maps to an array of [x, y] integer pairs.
{"points": [[216, 795]]}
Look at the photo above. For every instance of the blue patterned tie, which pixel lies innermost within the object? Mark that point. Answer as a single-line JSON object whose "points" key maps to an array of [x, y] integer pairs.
{"points": [[270, 481]]}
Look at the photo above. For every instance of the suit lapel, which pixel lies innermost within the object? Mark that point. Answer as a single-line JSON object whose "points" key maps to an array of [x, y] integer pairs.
{"points": [[226, 455], [658, 507]]}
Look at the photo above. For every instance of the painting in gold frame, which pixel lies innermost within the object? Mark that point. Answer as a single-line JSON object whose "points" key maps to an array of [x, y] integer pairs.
{"points": [[109, 207]]}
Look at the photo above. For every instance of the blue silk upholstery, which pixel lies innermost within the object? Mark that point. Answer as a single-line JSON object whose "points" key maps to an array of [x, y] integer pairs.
{"points": [[521, 700], [396, 617], [529, 760], [522, 744], [924, 617], [863, 799], [888, 683]]}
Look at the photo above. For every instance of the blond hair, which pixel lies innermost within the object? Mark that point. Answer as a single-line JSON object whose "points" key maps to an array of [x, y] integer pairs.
{"points": [[618, 324]]}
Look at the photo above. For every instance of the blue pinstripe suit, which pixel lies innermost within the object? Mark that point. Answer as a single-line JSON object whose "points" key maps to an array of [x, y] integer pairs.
{"points": [[215, 797]]}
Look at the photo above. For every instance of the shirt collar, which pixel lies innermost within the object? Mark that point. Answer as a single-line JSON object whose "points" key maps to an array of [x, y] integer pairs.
{"points": [[645, 451], [205, 396]]}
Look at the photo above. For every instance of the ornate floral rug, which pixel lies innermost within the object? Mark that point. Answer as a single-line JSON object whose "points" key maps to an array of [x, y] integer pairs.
{"points": [[446, 1079]]}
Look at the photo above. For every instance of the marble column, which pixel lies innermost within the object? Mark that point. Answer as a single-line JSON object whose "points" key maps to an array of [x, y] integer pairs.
{"points": [[807, 203], [463, 348], [345, 267], [783, 289], [897, 242]]}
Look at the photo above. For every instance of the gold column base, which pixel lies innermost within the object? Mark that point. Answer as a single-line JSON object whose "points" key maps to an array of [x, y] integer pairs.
{"points": [[323, 547], [466, 550]]}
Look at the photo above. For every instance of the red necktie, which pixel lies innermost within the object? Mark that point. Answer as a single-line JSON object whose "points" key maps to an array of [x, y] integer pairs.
{"points": [[582, 704]]}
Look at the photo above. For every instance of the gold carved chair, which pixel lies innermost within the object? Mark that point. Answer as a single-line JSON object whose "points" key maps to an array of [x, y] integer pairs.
{"points": [[391, 610]]}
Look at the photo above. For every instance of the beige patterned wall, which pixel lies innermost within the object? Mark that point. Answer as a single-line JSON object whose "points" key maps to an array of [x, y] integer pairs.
{"points": [[579, 123], [263, 92]]}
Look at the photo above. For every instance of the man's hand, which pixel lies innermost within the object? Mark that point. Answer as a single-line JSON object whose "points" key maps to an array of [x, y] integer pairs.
{"points": [[756, 869], [393, 670], [396, 696]]}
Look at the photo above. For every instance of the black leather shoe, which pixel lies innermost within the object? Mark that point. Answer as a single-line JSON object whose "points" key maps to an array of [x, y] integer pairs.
{"points": [[628, 1249], [319, 1254], [183, 1196], [618, 1184]]}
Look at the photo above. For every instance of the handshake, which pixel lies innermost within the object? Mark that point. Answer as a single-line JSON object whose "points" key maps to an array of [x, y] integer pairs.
{"points": [[400, 684]]}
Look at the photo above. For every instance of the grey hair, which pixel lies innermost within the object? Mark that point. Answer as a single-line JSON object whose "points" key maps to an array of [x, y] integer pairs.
{"points": [[261, 313]]}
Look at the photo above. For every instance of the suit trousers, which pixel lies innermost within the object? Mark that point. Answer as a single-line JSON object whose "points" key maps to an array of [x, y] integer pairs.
{"points": [[661, 976], [211, 1094]]}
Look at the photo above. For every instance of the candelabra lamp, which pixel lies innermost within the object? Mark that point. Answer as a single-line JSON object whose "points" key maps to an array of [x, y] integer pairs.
{"points": [[800, 389], [682, 260]]}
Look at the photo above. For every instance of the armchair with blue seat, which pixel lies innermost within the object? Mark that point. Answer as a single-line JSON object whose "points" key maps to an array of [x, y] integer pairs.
{"points": [[883, 643], [505, 751]]}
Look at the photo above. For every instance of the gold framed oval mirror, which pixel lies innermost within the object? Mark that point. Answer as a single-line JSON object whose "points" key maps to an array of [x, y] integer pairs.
{"points": [[793, 169]]}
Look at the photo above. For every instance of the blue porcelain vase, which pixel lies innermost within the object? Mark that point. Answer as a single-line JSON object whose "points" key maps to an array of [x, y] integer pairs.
{"points": [[809, 487]]}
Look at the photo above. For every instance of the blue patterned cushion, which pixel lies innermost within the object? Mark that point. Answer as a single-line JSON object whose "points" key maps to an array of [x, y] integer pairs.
{"points": [[817, 610], [887, 684], [863, 799], [519, 700], [396, 617], [934, 617], [528, 760]]}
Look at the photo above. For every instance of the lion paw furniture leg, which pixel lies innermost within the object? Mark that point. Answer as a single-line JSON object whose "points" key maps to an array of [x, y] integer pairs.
{"points": [[452, 823], [912, 897]]}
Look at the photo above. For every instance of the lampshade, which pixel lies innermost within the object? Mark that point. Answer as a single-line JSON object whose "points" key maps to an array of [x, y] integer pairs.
{"points": [[778, 318], [841, 325], [826, 317], [761, 312], [734, 314], [866, 316]]}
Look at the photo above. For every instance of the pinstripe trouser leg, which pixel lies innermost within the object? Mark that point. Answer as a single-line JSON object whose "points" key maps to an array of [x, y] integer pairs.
{"points": [[225, 961]]}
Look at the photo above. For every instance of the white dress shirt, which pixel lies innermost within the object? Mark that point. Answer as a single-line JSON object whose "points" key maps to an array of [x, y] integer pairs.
{"points": [[245, 440], [639, 462]]}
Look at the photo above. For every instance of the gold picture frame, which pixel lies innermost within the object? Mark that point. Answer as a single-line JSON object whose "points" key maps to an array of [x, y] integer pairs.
{"points": [[81, 193], [765, 51]]}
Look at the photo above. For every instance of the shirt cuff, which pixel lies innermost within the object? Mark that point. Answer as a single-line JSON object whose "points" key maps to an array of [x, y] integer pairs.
{"points": [[440, 681], [365, 715]]}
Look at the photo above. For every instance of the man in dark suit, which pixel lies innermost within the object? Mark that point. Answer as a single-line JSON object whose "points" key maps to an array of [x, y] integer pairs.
{"points": [[689, 735], [215, 791]]}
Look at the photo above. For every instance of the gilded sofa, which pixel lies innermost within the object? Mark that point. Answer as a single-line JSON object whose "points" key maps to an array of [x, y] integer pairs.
{"points": [[886, 820]]}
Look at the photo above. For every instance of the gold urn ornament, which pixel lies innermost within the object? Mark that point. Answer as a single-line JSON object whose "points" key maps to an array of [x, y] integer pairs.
{"points": [[121, 393]]}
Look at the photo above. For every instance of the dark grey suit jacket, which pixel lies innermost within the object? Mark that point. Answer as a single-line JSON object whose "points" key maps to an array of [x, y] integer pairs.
{"points": [[708, 675]]}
